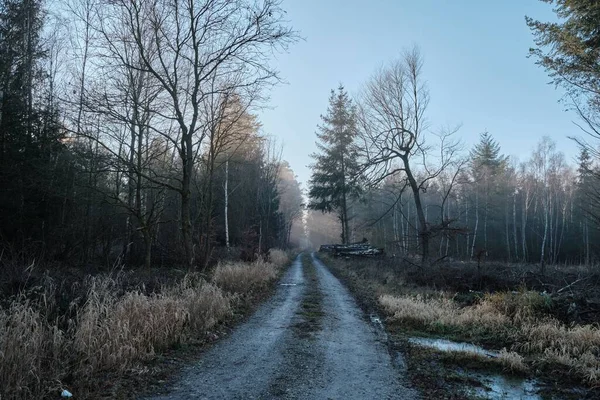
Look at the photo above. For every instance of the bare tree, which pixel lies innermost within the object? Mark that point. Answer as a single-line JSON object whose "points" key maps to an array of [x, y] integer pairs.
{"points": [[229, 124], [394, 129], [183, 46], [290, 200]]}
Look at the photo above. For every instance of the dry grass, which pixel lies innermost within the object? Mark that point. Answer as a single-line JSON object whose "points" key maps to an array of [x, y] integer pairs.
{"points": [[113, 329], [31, 351], [279, 257], [114, 332], [435, 314], [206, 305], [244, 278], [513, 315], [512, 361]]}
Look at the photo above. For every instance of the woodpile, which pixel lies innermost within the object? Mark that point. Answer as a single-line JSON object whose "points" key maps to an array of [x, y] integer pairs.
{"points": [[359, 249]]}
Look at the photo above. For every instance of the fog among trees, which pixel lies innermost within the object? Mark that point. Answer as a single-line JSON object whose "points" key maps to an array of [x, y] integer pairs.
{"points": [[129, 133], [424, 193]]}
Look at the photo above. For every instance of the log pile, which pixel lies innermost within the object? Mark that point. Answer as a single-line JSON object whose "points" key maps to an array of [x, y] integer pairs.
{"points": [[359, 249]]}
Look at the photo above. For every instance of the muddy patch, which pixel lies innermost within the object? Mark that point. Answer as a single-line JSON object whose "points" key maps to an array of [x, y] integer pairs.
{"points": [[482, 384], [496, 387]]}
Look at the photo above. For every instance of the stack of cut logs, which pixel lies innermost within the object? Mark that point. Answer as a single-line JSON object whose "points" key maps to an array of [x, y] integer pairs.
{"points": [[360, 249]]}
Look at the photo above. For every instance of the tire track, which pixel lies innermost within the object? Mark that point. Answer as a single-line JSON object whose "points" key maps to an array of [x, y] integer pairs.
{"points": [[310, 341]]}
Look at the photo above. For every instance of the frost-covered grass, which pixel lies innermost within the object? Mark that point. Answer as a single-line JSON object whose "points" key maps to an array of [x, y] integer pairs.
{"points": [[537, 340], [521, 321], [113, 330], [242, 278]]}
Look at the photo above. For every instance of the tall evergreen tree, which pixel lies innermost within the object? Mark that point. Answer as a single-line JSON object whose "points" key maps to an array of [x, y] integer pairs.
{"points": [[569, 49], [28, 128], [487, 165], [333, 182], [587, 199], [486, 154]]}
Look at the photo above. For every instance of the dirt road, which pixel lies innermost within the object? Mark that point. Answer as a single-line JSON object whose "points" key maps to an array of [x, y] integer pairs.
{"points": [[310, 341]]}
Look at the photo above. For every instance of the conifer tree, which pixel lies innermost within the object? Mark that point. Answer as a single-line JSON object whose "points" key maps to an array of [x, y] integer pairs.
{"points": [[487, 166], [333, 182]]}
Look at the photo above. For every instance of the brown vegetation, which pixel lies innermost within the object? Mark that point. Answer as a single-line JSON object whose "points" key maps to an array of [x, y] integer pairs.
{"points": [[241, 278], [114, 329], [529, 325]]}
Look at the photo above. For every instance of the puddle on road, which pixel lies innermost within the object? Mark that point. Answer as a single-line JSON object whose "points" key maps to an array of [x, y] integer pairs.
{"points": [[288, 284], [375, 320], [379, 328], [448, 345], [498, 387], [494, 386]]}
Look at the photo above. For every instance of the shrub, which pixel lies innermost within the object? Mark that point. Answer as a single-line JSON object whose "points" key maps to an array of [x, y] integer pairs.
{"points": [[243, 278], [30, 351], [113, 332], [278, 257], [512, 361]]}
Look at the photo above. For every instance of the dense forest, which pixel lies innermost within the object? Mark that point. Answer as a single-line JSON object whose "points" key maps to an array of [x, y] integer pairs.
{"points": [[128, 132], [390, 175], [513, 211], [123, 139]]}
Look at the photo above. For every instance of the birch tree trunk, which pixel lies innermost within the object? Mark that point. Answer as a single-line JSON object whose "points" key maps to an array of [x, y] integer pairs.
{"points": [[542, 250], [507, 231], [476, 223], [226, 210], [526, 204], [515, 226]]}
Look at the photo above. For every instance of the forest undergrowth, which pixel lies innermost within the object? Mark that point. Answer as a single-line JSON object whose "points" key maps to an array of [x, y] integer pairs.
{"points": [[540, 324], [113, 324]]}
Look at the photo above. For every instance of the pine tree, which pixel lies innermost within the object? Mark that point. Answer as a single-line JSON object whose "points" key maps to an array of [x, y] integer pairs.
{"points": [[569, 49], [487, 165], [333, 183], [486, 154]]}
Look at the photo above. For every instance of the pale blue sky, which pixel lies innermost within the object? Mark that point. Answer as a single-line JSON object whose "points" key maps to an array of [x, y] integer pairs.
{"points": [[476, 64]]}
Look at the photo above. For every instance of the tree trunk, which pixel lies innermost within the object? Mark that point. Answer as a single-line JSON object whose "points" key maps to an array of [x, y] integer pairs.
{"points": [[344, 213], [507, 231], [424, 233], [467, 225], [447, 238], [524, 226], [543, 248], [485, 223], [226, 210], [476, 223], [514, 214], [186, 193], [147, 248]]}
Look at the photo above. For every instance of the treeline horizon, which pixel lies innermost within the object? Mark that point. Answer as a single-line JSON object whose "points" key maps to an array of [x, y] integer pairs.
{"points": [[389, 174], [499, 209], [494, 207]]}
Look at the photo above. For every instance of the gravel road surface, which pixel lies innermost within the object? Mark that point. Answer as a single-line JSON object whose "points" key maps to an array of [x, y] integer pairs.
{"points": [[309, 341]]}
